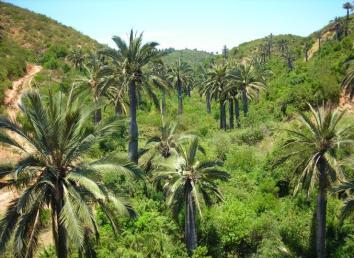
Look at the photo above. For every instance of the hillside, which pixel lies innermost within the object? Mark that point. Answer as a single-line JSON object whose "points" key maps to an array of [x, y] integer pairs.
{"points": [[250, 48], [27, 37], [232, 187]]}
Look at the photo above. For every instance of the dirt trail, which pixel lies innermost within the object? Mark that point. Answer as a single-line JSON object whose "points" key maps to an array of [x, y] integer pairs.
{"points": [[13, 96], [324, 37], [346, 103], [9, 155]]}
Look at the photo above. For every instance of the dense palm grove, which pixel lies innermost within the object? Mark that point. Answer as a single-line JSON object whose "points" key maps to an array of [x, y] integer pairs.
{"points": [[132, 155]]}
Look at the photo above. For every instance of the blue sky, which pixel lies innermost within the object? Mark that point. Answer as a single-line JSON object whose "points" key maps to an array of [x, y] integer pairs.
{"points": [[205, 25]]}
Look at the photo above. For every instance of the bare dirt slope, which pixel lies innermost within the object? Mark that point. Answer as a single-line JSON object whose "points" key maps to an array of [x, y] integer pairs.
{"points": [[324, 37]]}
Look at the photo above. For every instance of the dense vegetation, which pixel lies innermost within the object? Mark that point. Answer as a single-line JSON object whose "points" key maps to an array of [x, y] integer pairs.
{"points": [[241, 154]]}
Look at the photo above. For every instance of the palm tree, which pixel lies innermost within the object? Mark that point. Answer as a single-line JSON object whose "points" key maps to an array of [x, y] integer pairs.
{"points": [[77, 57], [54, 176], [283, 46], [316, 144], [319, 37], [189, 184], [217, 79], [159, 79], [338, 27], [348, 7], [201, 74], [307, 47], [133, 57], [94, 81], [179, 75], [161, 145], [232, 93], [249, 81]]}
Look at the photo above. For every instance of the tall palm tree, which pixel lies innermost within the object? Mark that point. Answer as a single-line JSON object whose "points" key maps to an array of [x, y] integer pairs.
{"points": [[249, 81], [159, 79], [179, 75], [316, 143], [115, 84], [53, 175], [94, 81], [201, 75], [307, 47], [318, 35], [77, 57], [338, 26], [348, 7], [189, 184], [232, 93], [217, 79], [133, 56]]}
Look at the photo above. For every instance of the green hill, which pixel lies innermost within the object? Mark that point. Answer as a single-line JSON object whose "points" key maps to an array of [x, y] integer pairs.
{"points": [[26, 36], [192, 57]]}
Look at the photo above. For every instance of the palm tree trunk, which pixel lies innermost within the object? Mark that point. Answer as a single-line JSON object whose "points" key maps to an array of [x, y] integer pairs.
{"points": [[245, 102], [190, 220], [118, 109], [61, 237], [222, 115], [347, 23], [133, 126], [321, 212], [180, 96], [138, 97], [163, 102], [290, 64], [231, 113], [237, 112], [188, 91], [97, 115], [208, 104]]}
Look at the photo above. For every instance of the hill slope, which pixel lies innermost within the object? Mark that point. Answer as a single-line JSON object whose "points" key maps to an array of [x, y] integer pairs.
{"points": [[26, 37]]}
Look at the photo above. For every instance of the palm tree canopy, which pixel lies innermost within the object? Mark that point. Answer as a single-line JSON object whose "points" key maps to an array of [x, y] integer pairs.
{"points": [[180, 71], [249, 80], [320, 136], [187, 169], [217, 79], [347, 6], [134, 55], [53, 173]]}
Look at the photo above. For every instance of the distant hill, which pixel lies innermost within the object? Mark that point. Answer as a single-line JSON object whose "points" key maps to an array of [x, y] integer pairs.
{"points": [[192, 57], [250, 48]]}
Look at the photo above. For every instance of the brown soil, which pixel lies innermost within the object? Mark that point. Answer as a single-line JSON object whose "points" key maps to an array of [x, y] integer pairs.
{"points": [[346, 103]]}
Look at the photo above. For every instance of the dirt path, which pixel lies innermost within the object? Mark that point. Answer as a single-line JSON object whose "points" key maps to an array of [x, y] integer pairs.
{"points": [[324, 37], [13, 96], [9, 155]]}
